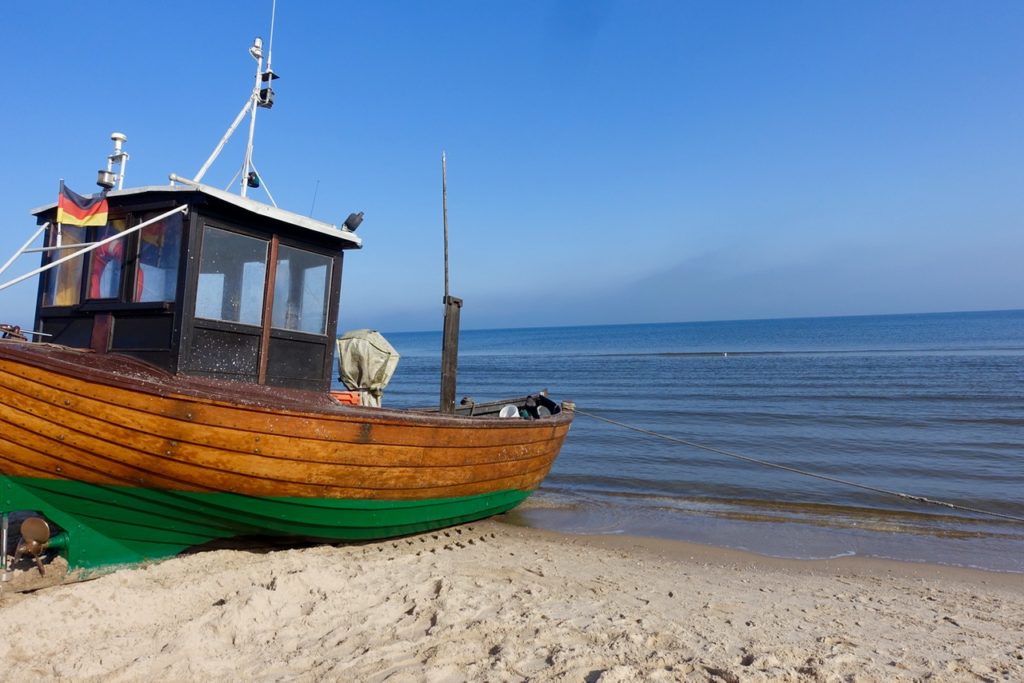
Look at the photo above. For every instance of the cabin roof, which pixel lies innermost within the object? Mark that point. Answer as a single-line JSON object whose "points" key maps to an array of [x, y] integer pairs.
{"points": [[238, 201]]}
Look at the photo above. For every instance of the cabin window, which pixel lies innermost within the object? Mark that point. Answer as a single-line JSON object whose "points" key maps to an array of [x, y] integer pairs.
{"points": [[105, 263], [301, 287], [153, 274], [232, 273], [156, 271], [64, 283]]}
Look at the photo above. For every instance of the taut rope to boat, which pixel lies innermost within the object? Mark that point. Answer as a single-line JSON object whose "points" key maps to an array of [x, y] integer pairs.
{"points": [[794, 470]]}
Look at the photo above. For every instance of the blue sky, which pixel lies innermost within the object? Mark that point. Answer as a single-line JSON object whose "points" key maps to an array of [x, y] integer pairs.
{"points": [[609, 162]]}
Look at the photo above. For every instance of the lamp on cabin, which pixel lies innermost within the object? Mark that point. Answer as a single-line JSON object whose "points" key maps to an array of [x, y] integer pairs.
{"points": [[105, 179], [353, 221]]}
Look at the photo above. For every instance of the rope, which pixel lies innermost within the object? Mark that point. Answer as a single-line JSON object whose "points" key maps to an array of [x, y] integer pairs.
{"points": [[794, 470]]}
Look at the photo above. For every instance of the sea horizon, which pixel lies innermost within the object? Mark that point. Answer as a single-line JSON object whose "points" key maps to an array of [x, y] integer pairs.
{"points": [[841, 316]]}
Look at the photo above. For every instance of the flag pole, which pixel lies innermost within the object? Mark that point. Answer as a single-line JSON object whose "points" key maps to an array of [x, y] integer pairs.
{"points": [[60, 193]]}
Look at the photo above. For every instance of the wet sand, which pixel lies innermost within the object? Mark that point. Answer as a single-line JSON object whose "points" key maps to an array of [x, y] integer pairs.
{"points": [[490, 601]]}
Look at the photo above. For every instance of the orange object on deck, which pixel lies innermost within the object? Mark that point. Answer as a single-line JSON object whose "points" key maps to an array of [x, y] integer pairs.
{"points": [[349, 398]]}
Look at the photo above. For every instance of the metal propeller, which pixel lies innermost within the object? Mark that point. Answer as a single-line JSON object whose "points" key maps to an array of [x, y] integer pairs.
{"points": [[35, 535]]}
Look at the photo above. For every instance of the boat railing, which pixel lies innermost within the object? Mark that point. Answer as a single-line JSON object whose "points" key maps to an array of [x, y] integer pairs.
{"points": [[535, 406]]}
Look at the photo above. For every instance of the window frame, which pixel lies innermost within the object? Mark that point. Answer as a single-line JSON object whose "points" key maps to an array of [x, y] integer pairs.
{"points": [[211, 225], [327, 282], [135, 286]]}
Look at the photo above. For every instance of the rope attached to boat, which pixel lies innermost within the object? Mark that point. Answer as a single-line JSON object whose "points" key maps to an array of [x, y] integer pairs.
{"points": [[794, 470]]}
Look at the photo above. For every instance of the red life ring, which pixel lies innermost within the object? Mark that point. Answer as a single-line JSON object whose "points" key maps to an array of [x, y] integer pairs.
{"points": [[101, 257]]}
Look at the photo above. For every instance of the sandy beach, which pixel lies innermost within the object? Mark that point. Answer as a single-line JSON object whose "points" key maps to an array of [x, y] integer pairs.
{"points": [[490, 601]]}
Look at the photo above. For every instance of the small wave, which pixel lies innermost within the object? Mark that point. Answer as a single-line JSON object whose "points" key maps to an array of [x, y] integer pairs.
{"points": [[878, 519], [917, 351]]}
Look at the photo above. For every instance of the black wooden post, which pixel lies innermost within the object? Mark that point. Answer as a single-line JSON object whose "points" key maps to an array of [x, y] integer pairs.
{"points": [[450, 353]]}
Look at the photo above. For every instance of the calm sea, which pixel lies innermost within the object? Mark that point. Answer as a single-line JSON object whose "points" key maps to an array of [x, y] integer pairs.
{"points": [[931, 405]]}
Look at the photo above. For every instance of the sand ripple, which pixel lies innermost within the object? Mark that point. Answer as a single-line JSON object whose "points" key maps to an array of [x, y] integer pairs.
{"points": [[496, 603]]}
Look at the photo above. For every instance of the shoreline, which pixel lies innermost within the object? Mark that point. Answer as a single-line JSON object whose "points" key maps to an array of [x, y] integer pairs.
{"points": [[885, 536], [720, 556], [493, 601]]}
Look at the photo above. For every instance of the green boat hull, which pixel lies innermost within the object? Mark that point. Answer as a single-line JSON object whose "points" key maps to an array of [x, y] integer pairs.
{"points": [[113, 525]]}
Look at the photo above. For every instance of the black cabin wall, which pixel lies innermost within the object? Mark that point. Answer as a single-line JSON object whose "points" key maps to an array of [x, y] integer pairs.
{"points": [[229, 350]]}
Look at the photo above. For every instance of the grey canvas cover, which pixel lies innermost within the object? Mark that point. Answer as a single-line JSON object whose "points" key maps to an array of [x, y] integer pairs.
{"points": [[366, 363]]}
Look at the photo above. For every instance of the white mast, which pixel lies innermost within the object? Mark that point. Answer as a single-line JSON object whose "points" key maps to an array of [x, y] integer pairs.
{"points": [[262, 95], [257, 53]]}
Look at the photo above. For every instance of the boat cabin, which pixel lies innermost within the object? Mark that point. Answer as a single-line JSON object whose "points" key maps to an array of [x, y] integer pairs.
{"points": [[212, 284]]}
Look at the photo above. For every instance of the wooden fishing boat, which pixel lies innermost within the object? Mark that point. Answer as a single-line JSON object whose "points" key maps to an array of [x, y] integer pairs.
{"points": [[181, 393], [134, 462]]}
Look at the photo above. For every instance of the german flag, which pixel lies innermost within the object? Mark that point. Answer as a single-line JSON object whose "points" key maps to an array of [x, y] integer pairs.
{"points": [[74, 209]]}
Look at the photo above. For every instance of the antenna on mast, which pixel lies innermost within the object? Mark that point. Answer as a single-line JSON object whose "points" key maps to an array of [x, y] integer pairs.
{"points": [[262, 96], [270, 47]]}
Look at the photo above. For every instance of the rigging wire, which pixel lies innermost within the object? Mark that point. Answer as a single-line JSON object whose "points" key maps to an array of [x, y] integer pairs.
{"points": [[794, 470], [234, 178]]}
